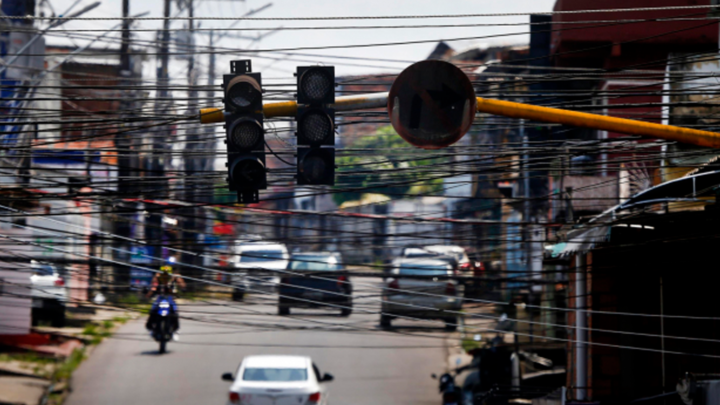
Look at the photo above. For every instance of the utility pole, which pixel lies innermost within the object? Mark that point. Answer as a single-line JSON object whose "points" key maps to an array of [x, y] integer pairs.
{"points": [[581, 349], [209, 95], [123, 147], [191, 160], [527, 232], [153, 223], [125, 45]]}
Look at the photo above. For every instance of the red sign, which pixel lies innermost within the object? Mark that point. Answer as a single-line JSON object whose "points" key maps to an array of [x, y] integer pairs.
{"points": [[432, 104]]}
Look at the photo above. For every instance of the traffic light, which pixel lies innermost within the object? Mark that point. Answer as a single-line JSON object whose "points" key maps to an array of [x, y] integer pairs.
{"points": [[315, 125], [245, 136]]}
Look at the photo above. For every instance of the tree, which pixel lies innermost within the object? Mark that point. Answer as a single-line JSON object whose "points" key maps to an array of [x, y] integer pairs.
{"points": [[384, 163]]}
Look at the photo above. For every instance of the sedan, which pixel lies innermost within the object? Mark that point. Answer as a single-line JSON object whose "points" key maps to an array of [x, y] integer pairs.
{"points": [[316, 279], [421, 288], [277, 380]]}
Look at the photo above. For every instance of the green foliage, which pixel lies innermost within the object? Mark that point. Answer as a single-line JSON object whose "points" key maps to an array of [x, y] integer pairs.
{"points": [[66, 369], [386, 162], [97, 333], [469, 344], [121, 319]]}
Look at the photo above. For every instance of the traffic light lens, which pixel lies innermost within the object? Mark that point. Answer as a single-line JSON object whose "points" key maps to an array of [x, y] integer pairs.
{"points": [[246, 134], [243, 92], [249, 172], [313, 168], [316, 126], [242, 95], [317, 85]]}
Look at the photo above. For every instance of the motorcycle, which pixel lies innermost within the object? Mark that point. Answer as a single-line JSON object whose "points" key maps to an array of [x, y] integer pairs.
{"points": [[162, 329], [451, 393]]}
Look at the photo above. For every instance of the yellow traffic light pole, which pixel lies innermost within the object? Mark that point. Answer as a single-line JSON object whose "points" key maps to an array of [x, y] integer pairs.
{"points": [[512, 110]]}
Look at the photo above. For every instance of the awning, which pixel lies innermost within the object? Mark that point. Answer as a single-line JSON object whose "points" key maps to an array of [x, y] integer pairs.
{"points": [[597, 230], [582, 240]]}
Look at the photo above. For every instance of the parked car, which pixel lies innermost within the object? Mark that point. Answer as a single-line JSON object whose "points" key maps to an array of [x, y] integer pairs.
{"points": [[408, 296], [250, 260], [329, 285], [49, 294], [277, 380], [422, 253], [465, 265]]}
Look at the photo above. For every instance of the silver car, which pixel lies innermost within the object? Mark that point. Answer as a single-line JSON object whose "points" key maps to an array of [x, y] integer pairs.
{"points": [[258, 267], [419, 288]]}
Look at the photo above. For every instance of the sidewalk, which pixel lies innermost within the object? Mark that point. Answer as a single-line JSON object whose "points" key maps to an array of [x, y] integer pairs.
{"points": [[38, 367]]}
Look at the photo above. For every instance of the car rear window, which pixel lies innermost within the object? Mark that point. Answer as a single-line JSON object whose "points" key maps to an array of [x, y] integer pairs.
{"points": [[275, 374], [255, 256], [44, 270], [421, 269], [314, 263]]}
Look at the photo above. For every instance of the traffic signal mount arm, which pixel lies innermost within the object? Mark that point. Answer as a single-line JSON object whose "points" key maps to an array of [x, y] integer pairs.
{"points": [[512, 110]]}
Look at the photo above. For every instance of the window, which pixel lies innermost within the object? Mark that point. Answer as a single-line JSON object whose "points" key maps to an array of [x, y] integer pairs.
{"points": [[275, 374], [422, 269], [314, 263], [43, 270], [257, 256]]}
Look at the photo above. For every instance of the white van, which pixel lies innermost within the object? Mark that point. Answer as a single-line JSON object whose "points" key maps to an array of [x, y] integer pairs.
{"points": [[258, 267]]}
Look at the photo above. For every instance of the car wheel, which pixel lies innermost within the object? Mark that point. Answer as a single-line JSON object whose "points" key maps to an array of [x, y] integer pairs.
{"points": [[238, 295], [451, 324], [283, 310], [385, 321]]}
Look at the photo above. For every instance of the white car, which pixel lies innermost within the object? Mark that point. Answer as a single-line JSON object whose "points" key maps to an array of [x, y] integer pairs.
{"points": [[277, 380], [49, 294], [250, 260], [458, 252]]}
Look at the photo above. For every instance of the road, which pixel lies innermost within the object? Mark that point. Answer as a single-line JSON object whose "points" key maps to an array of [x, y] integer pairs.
{"points": [[370, 366]]}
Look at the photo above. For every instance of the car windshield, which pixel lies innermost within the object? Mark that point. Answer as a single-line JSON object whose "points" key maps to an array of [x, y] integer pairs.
{"points": [[422, 269], [457, 255], [275, 374], [314, 263], [421, 253], [255, 256], [43, 270]]}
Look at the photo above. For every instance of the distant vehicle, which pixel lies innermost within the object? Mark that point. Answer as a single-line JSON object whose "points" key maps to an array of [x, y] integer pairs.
{"points": [[329, 285], [49, 294], [465, 265], [412, 296], [422, 253], [277, 380], [250, 259]]}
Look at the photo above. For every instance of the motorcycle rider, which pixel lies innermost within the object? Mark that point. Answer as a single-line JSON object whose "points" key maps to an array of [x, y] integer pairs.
{"points": [[164, 284]]}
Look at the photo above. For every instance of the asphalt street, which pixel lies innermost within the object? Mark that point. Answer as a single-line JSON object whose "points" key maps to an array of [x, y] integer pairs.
{"points": [[370, 366]]}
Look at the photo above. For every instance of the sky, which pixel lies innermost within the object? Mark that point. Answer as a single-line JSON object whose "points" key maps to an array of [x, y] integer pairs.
{"points": [[386, 59]]}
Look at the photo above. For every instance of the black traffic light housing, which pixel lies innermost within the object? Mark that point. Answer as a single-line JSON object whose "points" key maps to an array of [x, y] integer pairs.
{"points": [[245, 136], [315, 125]]}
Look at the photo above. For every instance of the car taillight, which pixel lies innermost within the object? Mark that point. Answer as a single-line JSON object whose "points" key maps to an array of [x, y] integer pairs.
{"points": [[234, 397], [450, 289], [59, 282], [394, 285], [465, 266], [314, 398], [341, 281]]}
